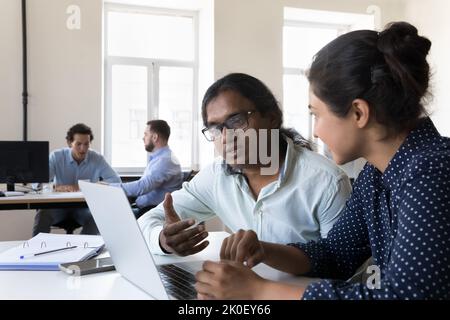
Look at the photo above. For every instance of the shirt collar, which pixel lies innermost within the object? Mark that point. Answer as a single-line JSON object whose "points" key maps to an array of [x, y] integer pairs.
{"points": [[158, 152], [72, 160], [289, 159], [418, 139], [285, 167]]}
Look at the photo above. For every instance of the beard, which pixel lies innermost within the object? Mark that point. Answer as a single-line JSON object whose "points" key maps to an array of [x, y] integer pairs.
{"points": [[149, 147]]}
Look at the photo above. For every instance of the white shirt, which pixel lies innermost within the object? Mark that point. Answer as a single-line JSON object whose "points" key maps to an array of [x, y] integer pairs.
{"points": [[302, 205]]}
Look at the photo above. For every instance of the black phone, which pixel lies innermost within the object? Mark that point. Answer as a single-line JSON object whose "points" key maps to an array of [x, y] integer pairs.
{"points": [[87, 267]]}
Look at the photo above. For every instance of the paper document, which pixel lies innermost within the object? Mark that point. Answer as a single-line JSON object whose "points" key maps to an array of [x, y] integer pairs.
{"points": [[46, 251]]}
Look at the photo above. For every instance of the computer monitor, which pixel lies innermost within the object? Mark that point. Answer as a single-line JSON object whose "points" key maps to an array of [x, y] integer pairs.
{"points": [[23, 162]]}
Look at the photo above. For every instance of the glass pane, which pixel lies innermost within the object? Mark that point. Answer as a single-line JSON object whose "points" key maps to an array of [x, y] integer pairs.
{"points": [[150, 36], [175, 106], [129, 115], [300, 44], [295, 104]]}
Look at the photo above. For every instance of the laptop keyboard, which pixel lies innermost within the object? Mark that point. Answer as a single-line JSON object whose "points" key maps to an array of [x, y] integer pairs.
{"points": [[178, 282]]}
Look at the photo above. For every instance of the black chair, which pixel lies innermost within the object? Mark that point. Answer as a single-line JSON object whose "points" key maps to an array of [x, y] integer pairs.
{"points": [[140, 211], [69, 225], [188, 175]]}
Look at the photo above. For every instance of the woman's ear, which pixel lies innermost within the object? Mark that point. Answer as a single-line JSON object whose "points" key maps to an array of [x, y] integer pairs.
{"points": [[360, 112]]}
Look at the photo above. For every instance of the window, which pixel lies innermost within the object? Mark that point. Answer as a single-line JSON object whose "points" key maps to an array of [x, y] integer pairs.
{"points": [[151, 69], [304, 33]]}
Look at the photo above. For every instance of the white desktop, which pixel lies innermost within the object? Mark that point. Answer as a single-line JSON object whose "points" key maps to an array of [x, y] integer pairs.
{"points": [[107, 285]]}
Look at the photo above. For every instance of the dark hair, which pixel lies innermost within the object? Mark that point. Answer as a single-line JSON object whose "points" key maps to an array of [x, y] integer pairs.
{"points": [[258, 93], [161, 127], [79, 128], [387, 69]]}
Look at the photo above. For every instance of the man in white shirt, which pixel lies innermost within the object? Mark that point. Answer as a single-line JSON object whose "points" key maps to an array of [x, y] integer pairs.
{"points": [[299, 201]]}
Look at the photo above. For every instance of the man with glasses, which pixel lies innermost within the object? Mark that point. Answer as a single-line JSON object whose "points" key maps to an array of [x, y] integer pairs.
{"points": [[266, 180]]}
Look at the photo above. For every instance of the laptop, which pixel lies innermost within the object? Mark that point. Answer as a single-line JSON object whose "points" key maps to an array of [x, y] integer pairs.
{"points": [[128, 249]]}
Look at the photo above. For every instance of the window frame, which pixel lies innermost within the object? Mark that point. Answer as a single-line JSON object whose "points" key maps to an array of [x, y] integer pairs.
{"points": [[153, 66], [301, 72]]}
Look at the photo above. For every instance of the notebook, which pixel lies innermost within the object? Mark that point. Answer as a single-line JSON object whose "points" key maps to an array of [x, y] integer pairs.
{"points": [[67, 248]]}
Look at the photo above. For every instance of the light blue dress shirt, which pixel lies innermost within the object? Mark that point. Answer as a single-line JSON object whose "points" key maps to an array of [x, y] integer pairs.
{"points": [[302, 205], [162, 174], [64, 170]]}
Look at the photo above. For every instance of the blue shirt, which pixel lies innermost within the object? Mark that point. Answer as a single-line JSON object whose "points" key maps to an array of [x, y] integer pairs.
{"points": [[162, 174], [64, 170], [401, 218]]}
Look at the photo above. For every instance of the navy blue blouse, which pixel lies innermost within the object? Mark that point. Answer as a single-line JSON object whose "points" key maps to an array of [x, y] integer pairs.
{"points": [[401, 218]]}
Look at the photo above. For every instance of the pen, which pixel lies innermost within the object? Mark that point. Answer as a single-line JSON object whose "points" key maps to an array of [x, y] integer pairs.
{"points": [[44, 252]]}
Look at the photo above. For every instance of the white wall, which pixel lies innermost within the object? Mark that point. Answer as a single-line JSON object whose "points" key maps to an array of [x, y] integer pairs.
{"points": [[64, 80], [431, 19], [65, 69], [10, 70], [13, 224], [248, 34]]}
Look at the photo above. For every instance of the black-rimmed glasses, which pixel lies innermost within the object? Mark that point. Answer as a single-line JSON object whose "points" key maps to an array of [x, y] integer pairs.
{"points": [[235, 122]]}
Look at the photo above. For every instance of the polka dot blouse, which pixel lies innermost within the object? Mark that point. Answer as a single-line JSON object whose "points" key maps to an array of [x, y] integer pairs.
{"points": [[401, 218]]}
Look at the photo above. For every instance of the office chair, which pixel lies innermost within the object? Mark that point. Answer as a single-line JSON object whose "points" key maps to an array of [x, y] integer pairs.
{"points": [[140, 211], [69, 225], [188, 175]]}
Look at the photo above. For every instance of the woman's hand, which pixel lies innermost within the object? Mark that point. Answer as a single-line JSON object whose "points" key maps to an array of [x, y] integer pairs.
{"points": [[228, 280], [244, 247]]}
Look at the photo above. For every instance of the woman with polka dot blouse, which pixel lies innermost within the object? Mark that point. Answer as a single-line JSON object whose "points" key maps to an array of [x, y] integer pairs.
{"points": [[367, 91]]}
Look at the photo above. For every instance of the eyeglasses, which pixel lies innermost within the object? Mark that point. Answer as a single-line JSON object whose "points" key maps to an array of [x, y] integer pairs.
{"points": [[237, 121]]}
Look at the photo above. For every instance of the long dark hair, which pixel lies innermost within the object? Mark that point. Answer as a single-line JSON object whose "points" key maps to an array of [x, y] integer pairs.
{"points": [[389, 70], [259, 94]]}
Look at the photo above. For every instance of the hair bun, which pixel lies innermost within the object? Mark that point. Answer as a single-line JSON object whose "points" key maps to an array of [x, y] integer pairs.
{"points": [[405, 54], [400, 39]]}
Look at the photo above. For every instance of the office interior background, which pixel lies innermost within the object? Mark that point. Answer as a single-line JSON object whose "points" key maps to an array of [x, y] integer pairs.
{"points": [[116, 64]]}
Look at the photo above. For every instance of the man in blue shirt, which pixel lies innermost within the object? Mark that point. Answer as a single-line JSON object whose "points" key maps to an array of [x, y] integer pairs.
{"points": [[163, 172], [67, 166]]}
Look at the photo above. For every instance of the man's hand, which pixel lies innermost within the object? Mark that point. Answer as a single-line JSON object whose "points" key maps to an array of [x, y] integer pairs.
{"points": [[228, 280], [67, 188], [177, 236], [243, 246]]}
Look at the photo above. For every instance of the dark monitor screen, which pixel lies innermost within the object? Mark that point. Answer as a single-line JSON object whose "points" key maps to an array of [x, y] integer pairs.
{"points": [[23, 162]]}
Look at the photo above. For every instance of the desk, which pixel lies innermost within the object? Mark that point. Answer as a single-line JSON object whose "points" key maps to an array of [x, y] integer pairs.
{"points": [[44, 201], [107, 285]]}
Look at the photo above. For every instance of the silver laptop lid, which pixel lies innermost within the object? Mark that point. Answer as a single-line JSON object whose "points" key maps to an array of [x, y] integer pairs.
{"points": [[123, 238]]}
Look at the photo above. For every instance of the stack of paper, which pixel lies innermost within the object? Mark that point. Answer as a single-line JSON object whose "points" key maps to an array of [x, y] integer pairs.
{"points": [[33, 254]]}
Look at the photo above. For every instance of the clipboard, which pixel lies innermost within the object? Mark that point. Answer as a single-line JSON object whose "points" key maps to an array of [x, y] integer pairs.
{"points": [[82, 247]]}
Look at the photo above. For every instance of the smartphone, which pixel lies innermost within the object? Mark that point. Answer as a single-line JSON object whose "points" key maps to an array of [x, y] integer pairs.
{"points": [[87, 267]]}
